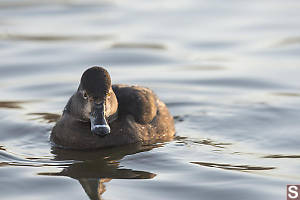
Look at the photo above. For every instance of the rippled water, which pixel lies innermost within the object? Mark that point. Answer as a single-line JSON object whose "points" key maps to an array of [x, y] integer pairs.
{"points": [[228, 71]]}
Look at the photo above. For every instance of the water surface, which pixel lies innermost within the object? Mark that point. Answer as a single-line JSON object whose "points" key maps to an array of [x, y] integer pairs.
{"points": [[228, 71]]}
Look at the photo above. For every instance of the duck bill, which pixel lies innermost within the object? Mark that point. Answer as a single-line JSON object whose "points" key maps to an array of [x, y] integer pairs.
{"points": [[99, 125]]}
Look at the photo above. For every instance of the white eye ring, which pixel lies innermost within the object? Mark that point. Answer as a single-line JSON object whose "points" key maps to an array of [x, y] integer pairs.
{"points": [[84, 95]]}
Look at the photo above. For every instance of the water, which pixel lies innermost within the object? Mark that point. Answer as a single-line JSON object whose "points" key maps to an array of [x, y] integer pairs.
{"points": [[228, 71]]}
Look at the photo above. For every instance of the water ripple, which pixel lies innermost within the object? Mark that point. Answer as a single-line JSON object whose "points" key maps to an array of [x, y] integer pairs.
{"points": [[281, 156], [233, 167], [288, 41], [233, 82], [47, 117], [209, 142], [54, 38], [11, 104], [14, 104], [7, 158], [139, 46]]}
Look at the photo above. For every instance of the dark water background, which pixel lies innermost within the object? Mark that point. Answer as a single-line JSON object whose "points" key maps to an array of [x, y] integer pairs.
{"points": [[229, 72]]}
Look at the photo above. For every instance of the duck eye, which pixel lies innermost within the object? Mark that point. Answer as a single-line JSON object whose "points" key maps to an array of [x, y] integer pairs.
{"points": [[108, 94], [85, 96]]}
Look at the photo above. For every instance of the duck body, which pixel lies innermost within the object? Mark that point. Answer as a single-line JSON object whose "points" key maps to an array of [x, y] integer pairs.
{"points": [[114, 116]]}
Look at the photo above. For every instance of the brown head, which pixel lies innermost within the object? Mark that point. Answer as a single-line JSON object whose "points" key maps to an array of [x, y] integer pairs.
{"points": [[94, 101]]}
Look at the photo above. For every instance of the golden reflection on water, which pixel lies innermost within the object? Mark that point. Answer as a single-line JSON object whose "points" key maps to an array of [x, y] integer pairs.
{"points": [[15, 104], [281, 156], [49, 38], [11, 104], [139, 46], [209, 142], [47, 117], [233, 167]]}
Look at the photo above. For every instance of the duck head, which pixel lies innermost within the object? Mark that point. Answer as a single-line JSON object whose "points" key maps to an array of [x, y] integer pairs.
{"points": [[94, 102]]}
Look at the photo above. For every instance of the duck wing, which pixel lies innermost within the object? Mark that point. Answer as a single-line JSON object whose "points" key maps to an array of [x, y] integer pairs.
{"points": [[140, 102]]}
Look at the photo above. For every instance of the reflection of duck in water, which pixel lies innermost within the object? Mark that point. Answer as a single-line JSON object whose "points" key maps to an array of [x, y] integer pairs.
{"points": [[94, 188], [120, 114], [95, 168]]}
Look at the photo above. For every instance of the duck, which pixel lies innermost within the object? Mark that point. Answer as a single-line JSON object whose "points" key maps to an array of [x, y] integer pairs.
{"points": [[101, 114]]}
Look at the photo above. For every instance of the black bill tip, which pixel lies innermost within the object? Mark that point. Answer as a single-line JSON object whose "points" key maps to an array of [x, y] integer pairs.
{"points": [[101, 130]]}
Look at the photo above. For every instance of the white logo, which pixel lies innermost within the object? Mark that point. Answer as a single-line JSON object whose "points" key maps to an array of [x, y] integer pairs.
{"points": [[293, 192]]}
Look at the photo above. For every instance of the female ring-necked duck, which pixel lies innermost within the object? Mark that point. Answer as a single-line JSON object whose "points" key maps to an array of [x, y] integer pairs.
{"points": [[100, 114]]}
